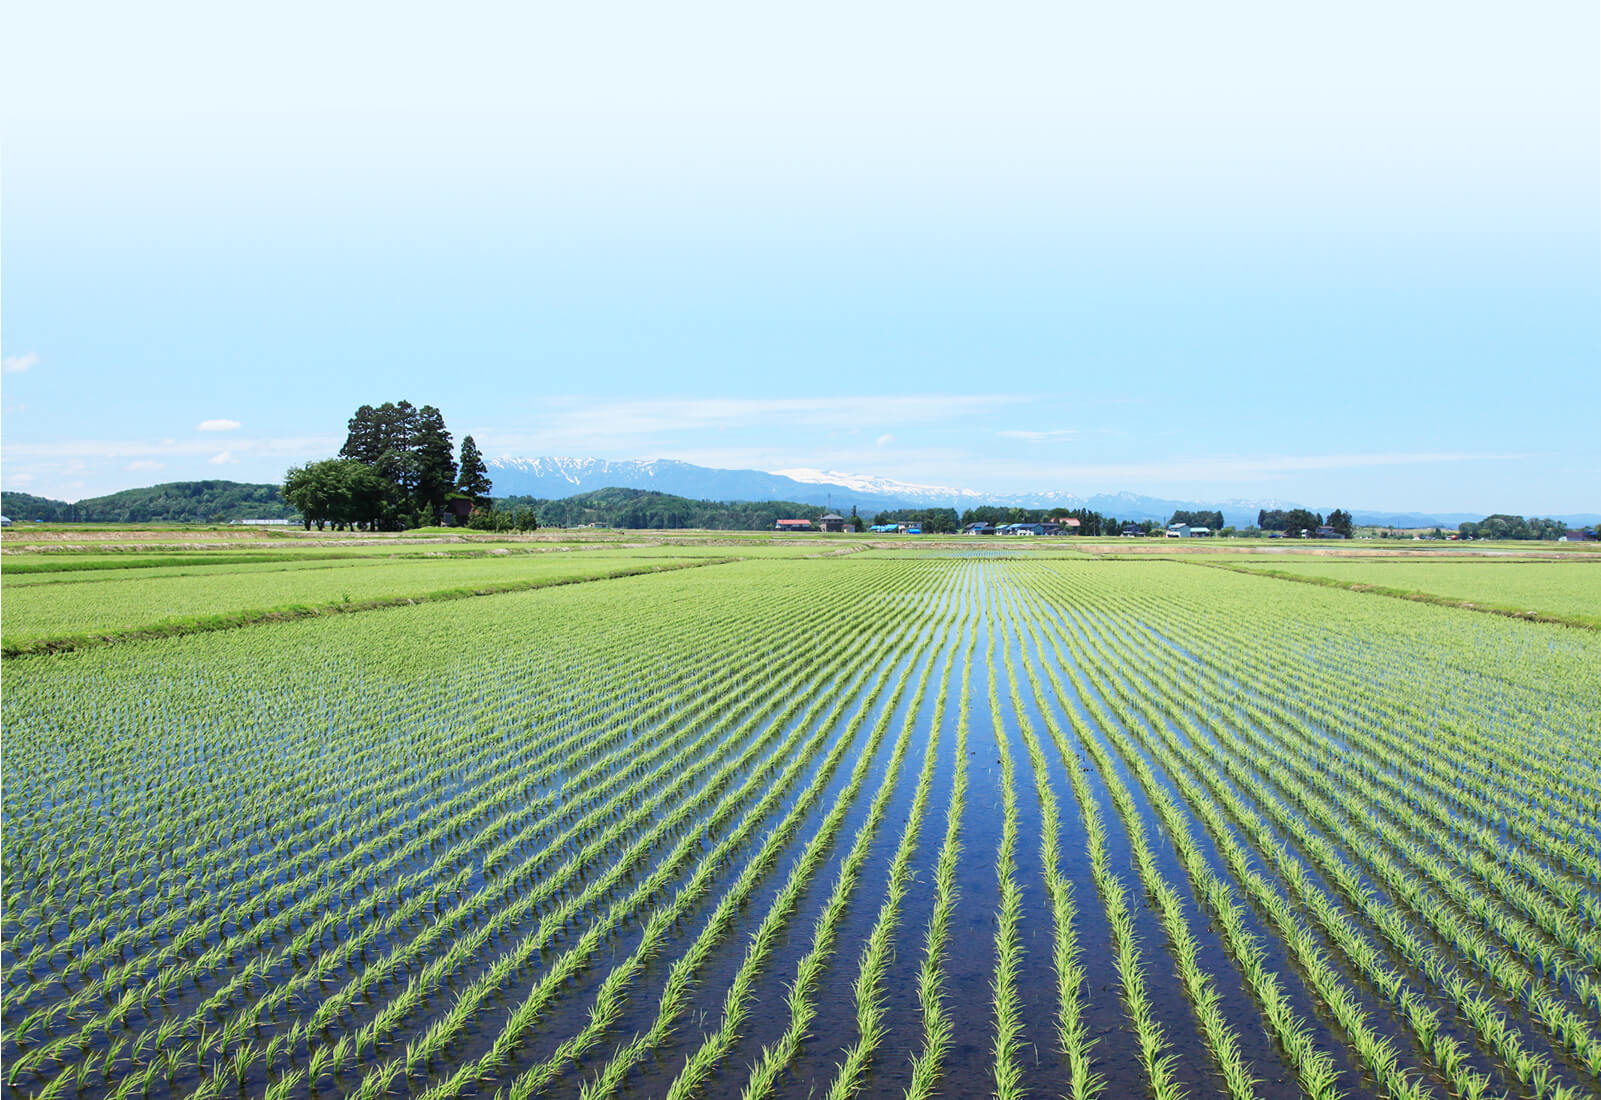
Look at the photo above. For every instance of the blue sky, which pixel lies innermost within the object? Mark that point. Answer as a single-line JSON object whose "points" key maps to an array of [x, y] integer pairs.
{"points": [[1347, 256]]}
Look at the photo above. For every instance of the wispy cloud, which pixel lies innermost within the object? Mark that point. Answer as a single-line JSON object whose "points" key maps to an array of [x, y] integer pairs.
{"points": [[144, 465], [884, 440], [593, 424], [16, 364], [222, 458], [217, 425], [1037, 436]]}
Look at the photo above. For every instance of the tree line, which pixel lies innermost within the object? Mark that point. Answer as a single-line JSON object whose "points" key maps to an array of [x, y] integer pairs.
{"points": [[1502, 526], [394, 471]]}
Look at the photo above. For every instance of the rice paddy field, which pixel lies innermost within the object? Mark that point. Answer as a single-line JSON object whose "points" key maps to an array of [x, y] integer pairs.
{"points": [[782, 821]]}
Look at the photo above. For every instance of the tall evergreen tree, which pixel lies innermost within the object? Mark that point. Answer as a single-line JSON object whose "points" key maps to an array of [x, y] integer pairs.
{"points": [[472, 476], [436, 468]]}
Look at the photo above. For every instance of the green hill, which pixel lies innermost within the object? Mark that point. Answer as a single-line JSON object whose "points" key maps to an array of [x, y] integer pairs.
{"points": [[647, 509], [173, 502]]}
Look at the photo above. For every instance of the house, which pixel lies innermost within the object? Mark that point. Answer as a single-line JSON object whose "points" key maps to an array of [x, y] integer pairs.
{"points": [[1566, 536], [458, 510], [979, 529], [262, 522], [1178, 531], [885, 528], [793, 525], [1327, 532], [1131, 531], [5, 521], [1067, 525], [1200, 532], [831, 522]]}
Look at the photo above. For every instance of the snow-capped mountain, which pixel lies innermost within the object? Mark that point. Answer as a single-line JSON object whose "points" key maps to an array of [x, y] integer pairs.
{"points": [[934, 495], [552, 477]]}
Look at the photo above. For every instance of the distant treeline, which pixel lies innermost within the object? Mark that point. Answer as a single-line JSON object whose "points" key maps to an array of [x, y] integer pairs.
{"points": [[1500, 526], [173, 502], [647, 510]]}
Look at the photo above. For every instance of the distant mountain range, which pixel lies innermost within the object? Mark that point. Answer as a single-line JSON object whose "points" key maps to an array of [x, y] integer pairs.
{"points": [[554, 478]]}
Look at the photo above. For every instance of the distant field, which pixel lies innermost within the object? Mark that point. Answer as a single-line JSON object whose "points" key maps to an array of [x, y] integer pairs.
{"points": [[1559, 588], [102, 602]]}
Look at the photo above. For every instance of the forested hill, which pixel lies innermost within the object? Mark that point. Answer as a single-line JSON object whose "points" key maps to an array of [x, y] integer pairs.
{"points": [[646, 509], [174, 502]]}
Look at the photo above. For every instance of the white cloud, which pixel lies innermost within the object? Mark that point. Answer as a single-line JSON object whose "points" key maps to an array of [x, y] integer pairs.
{"points": [[222, 458], [16, 364], [1037, 437], [216, 425], [884, 440], [145, 464], [20, 479]]}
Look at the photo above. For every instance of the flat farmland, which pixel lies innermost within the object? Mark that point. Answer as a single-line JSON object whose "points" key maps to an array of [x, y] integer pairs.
{"points": [[944, 822], [1559, 588]]}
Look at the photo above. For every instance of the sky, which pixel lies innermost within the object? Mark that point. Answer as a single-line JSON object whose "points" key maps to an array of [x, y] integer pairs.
{"points": [[1342, 255]]}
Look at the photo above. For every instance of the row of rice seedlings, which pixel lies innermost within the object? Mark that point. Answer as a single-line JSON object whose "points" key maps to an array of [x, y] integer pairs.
{"points": [[937, 1027], [1008, 946], [1327, 772], [311, 907], [1221, 1039], [1469, 770], [699, 1064], [1495, 1032], [1072, 1032], [1517, 978], [253, 887], [1377, 1052], [209, 841], [570, 963], [877, 951], [673, 823], [1314, 1067], [610, 997], [1577, 949], [777, 1056], [496, 898], [1155, 1058], [1413, 1011], [1408, 772], [1516, 732]]}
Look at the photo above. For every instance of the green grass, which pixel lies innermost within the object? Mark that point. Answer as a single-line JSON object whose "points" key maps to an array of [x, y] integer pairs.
{"points": [[1562, 591]]}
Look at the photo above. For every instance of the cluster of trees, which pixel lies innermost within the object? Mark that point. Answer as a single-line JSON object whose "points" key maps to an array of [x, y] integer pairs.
{"points": [[395, 471], [1501, 526], [173, 502], [645, 509], [1090, 522], [1212, 521], [1296, 520]]}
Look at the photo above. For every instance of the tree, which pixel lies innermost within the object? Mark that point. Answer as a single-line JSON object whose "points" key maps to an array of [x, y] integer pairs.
{"points": [[340, 491], [472, 476], [1299, 520], [436, 469], [1341, 522]]}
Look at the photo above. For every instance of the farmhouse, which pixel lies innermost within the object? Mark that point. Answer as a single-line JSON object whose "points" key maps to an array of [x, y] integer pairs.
{"points": [[831, 522], [1178, 531], [793, 525], [979, 529]]}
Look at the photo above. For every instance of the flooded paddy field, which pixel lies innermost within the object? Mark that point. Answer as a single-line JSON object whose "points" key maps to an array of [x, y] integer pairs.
{"points": [[887, 824]]}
